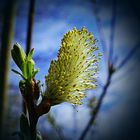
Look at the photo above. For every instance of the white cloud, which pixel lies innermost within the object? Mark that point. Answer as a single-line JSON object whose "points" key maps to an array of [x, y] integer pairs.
{"points": [[48, 35]]}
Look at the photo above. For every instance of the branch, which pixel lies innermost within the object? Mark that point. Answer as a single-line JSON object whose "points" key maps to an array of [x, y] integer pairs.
{"points": [[101, 35], [28, 91], [113, 22], [29, 33], [97, 108], [129, 56], [104, 92]]}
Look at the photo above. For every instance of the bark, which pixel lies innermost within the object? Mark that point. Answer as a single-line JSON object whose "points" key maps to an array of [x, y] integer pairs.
{"points": [[34, 111]]}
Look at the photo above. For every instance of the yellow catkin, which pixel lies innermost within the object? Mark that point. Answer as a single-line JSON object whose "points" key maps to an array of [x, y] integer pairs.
{"points": [[75, 70]]}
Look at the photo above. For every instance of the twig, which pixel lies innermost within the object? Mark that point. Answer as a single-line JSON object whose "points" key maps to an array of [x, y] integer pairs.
{"points": [[113, 22], [111, 62], [97, 108], [33, 117], [35, 111], [101, 35], [104, 92], [129, 56], [111, 72]]}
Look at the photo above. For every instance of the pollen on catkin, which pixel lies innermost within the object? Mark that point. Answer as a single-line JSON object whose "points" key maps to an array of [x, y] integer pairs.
{"points": [[75, 70]]}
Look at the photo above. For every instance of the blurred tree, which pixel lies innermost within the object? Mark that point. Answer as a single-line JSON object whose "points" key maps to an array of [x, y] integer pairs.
{"points": [[30, 25], [6, 39]]}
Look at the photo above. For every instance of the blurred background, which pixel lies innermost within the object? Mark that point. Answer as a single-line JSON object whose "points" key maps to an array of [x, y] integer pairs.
{"points": [[41, 24]]}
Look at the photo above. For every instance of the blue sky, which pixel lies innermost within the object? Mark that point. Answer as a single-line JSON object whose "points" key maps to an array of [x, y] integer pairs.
{"points": [[52, 20]]}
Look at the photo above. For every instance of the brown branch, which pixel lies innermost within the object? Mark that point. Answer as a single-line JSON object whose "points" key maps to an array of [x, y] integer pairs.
{"points": [[96, 110], [33, 117], [111, 71], [43, 107], [34, 111]]}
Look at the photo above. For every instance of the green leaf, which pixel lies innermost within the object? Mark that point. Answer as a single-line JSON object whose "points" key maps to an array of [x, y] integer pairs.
{"points": [[24, 127], [16, 72], [29, 70], [18, 55], [22, 84], [29, 57], [24, 69], [35, 72], [25, 63], [15, 58]]}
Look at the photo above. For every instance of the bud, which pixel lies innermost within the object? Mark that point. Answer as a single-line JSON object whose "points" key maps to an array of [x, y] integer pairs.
{"points": [[27, 69], [75, 69], [18, 55], [25, 63]]}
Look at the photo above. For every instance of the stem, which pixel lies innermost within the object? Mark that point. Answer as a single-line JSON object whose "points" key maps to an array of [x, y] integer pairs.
{"points": [[97, 108], [34, 111], [129, 55], [33, 117], [113, 22], [29, 34]]}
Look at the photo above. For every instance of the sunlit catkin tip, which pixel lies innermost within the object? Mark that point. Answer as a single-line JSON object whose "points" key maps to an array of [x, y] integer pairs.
{"points": [[75, 69]]}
